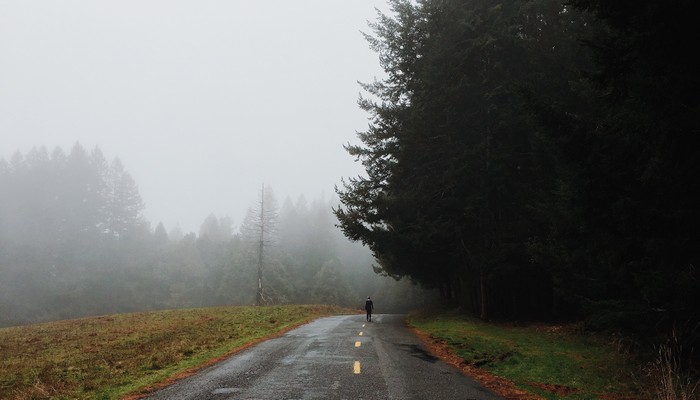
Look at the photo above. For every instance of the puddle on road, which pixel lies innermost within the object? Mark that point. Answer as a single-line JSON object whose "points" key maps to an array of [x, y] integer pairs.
{"points": [[226, 390], [418, 352]]}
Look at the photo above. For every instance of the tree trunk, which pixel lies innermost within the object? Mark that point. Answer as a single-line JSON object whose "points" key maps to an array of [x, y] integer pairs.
{"points": [[482, 291]]}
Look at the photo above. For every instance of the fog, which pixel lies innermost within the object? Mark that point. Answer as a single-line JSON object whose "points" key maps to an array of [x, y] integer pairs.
{"points": [[203, 102], [136, 135]]}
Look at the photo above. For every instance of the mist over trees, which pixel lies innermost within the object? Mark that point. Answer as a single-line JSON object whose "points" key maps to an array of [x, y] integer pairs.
{"points": [[536, 159], [258, 228], [74, 242]]}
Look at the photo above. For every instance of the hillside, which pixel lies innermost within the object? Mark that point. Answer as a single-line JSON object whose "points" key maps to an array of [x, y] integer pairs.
{"points": [[111, 356]]}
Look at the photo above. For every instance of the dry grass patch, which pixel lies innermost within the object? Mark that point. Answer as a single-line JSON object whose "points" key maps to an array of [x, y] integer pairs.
{"points": [[107, 357]]}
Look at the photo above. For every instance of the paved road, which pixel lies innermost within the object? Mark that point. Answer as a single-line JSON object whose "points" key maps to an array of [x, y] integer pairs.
{"points": [[340, 357]]}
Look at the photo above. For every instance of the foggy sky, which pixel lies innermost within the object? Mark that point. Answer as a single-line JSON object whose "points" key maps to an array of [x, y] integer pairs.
{"points": [[203, 101]]}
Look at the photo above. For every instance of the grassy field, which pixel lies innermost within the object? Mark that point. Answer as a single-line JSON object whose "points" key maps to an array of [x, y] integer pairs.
{"points": [[109, 357], [549, 361]]}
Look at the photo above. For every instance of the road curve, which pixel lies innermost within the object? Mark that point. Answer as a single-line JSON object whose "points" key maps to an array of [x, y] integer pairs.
{"points": [[340, 357]]}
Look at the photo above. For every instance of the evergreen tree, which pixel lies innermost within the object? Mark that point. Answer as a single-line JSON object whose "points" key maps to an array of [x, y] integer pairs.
{"points": [[161, 235], [124, 204], [452, 157], [637, 163]]}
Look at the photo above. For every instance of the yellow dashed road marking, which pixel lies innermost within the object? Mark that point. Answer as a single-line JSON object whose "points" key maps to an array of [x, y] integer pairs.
{"points": [[360, 333], [358, 344], [356, 368]]}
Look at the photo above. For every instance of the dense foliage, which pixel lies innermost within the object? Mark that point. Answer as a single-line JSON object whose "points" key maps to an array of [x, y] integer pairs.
{"points": [[74, 242], [533, 159]]}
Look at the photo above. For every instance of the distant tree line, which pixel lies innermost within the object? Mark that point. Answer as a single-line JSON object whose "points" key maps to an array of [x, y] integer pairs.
{"points": [[74, 242], [536, 159]]}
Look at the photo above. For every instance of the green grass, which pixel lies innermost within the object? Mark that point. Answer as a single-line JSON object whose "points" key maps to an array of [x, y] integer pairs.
{"points": [[111, 356], [534, 355]]}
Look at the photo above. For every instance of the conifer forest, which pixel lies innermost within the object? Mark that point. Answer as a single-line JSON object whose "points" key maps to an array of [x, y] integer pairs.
{"points": [[537, 160]]}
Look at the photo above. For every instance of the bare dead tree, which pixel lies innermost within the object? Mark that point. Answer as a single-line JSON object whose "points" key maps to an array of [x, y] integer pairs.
{"points": [[259, 228]]}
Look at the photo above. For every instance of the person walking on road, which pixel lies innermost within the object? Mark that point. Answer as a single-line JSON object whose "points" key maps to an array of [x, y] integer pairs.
{"points": [[369, 307]]}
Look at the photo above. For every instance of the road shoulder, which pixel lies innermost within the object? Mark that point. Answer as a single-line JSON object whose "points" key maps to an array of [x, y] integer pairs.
{"points": [[496, 384]]}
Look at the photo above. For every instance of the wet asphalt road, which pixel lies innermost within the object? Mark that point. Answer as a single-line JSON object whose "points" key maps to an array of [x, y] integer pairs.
{"points": [[340, 357]]}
